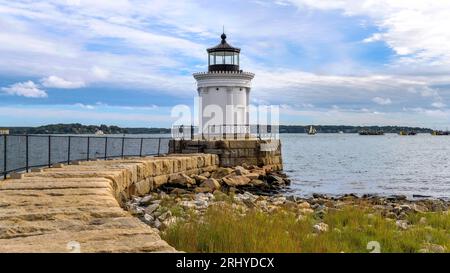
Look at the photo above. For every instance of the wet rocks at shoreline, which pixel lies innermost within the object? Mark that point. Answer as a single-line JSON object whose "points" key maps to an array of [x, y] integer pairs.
{"points": [[259, 180]]}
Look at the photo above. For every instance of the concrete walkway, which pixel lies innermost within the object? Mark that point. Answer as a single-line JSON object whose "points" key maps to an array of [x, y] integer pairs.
{"points": [[77, 207]]}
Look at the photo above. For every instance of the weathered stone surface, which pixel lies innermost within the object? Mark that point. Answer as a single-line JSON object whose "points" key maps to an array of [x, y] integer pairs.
{"points": [[211, 183], [221, 172], [77, 207], [236, 180]]}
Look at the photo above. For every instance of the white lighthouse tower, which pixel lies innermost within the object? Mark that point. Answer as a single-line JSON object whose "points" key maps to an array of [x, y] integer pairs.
{"points": [[224, 94]]}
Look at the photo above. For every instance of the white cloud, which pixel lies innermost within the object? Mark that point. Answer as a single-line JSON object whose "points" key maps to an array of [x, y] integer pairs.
{"points": [[438, 104], [100, 73], [410, 27], [57, 82], [382, 101], [85, 106], [25, 89]]}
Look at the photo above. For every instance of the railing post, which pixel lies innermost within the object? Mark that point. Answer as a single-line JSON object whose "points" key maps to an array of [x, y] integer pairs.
{"points": [[123, 144], [159, 146], [258, 133], [27, 153], [106, 147], [192, 132], [235, 131], [88, 147], [140, 149], [49, 151], [68, 151], [5, 142]]}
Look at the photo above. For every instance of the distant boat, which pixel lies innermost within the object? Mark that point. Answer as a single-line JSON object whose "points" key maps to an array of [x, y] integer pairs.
{"points": [[312, 130], [371, 133], [405, 133], [440, 133], [99, 132], [341, 132]]}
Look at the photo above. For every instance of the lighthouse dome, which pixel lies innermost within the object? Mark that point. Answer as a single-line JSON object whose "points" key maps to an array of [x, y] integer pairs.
{"points": [[223, 57]]}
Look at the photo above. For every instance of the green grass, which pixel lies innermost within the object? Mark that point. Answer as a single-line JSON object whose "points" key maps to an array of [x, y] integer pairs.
{"points": [[222, 229]]}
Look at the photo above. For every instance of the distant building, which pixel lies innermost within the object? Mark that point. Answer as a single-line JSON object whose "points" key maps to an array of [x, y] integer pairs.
{"points": [[4, 131]]}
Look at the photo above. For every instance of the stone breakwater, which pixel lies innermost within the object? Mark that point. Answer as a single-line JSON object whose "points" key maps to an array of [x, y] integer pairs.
{"points": [[78, 207]]}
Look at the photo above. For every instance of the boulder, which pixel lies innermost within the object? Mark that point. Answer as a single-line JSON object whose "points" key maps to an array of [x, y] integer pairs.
{"points": [[221, 172], [206, 174], [320, 228], [304, 205], [211, 183], [273, 179], [182, 179], [200, 178], [236, 180], [241, 170], [152, 208], [252, 176]]}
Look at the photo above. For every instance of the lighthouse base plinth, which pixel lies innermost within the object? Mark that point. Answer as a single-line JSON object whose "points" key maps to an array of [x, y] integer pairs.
{"points": [[236, 152]]}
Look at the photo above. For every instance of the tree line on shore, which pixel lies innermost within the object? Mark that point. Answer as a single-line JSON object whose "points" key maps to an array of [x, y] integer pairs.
{"points": [[77, 128]]}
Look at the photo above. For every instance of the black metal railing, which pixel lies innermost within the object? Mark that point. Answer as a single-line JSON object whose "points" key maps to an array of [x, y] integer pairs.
{"points": [[225, 131], [23, 152]]}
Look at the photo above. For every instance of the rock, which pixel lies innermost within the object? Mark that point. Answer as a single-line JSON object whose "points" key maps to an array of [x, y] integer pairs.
{"points": [[279, 201], [169, 222], [235, 180], [423, 221], [221, 172], [292, 198], [306, 211], [178, 191], [199, 178], [146, 200], [402, 224], [157, 224], [273, 179], [252, 176], [433, 248], [152, 208], [241, 171], [256, 182], [304, 205], [206, 174], [396, 198], [165, 215], [211, 183], [187, 204], [135, 210], [182, 179], [202, 190], [322, 196], [201, 203], [320, 228], [148, 219], [419, 208]]}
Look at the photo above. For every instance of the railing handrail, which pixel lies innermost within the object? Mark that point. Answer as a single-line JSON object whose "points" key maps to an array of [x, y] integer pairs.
{"points": [[70, 138]]}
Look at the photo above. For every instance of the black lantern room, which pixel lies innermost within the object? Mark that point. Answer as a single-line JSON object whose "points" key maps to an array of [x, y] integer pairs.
{"points": [[223, 57]]}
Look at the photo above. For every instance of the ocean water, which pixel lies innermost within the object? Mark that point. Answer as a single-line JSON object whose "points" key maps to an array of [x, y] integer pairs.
{"points": [[336, 164], [332, 164]]}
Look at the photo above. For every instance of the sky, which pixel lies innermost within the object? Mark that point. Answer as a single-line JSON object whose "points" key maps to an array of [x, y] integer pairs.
{"points": [[128, 62]]}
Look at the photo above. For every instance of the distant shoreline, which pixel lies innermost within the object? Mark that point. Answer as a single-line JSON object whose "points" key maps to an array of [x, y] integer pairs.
{"points": [[76, 128]]}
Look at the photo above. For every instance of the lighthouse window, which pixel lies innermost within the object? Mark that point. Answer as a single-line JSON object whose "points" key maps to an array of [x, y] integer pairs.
{"points": [[229, 58]]}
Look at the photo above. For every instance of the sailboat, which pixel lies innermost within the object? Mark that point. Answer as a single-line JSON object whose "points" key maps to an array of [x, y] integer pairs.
{"points": [[312, 130]]}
